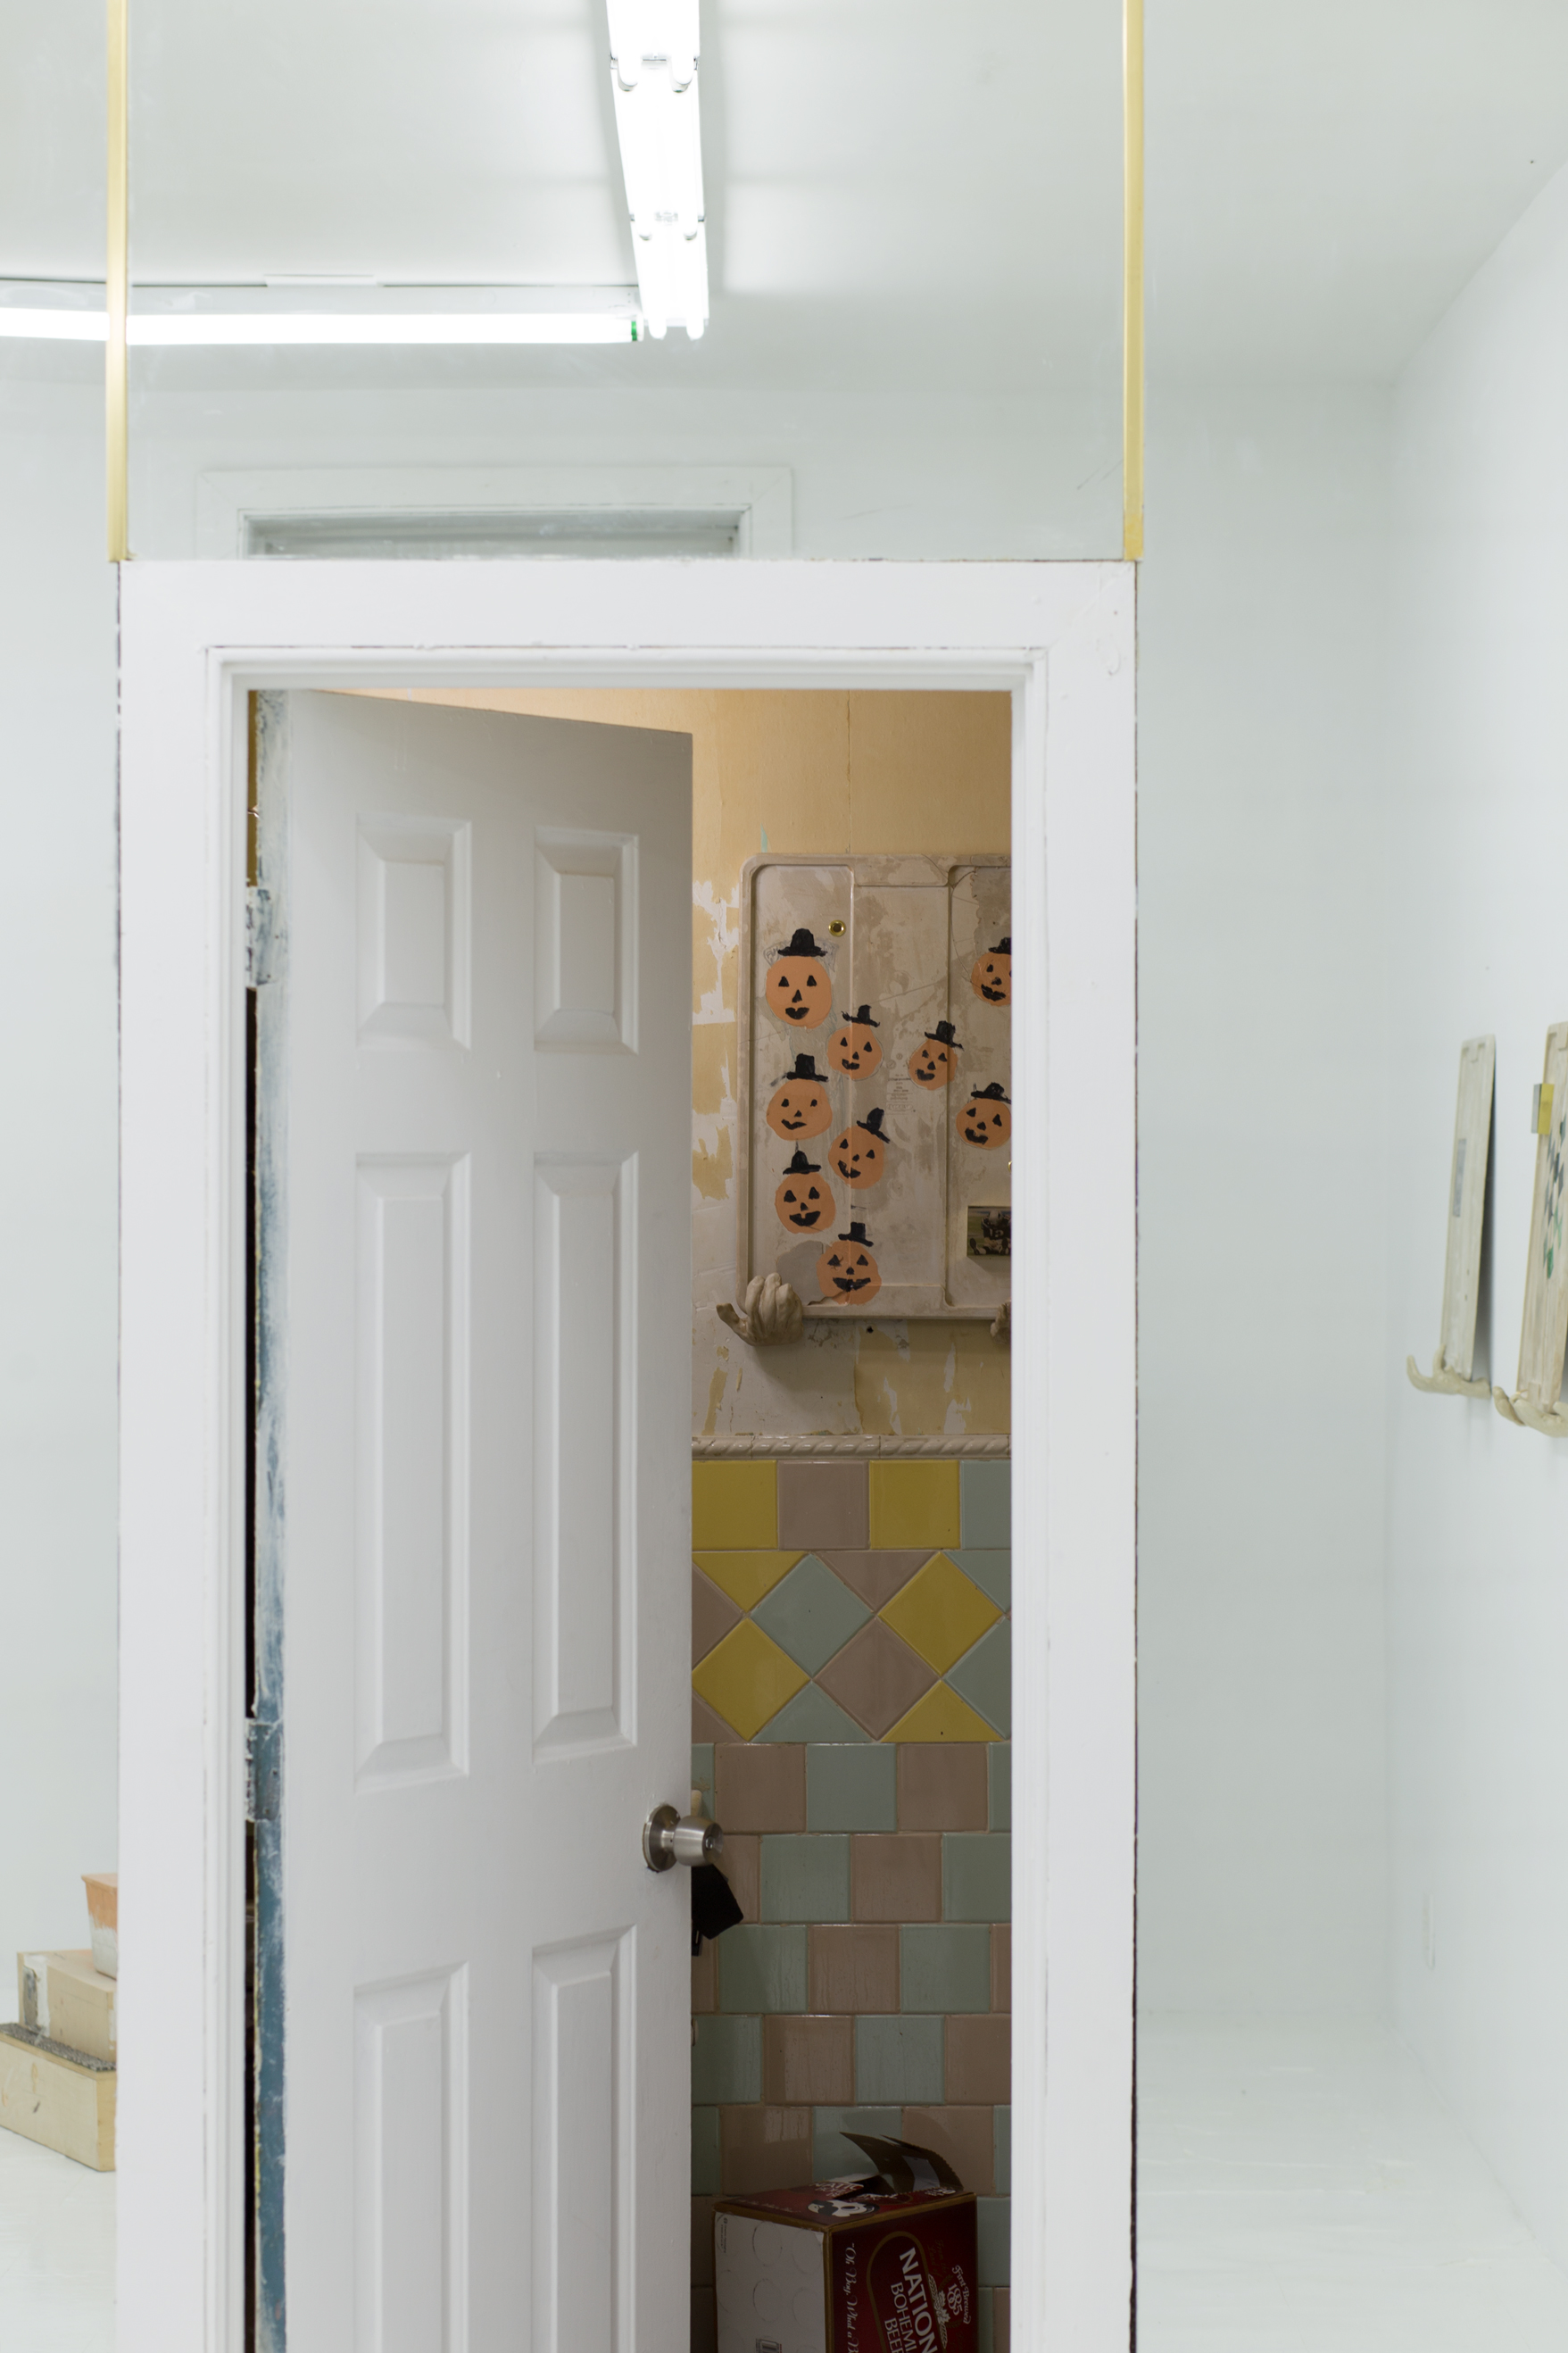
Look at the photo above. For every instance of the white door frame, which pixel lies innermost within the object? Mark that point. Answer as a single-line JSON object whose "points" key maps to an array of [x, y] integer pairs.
{"points": [[195, 638]]}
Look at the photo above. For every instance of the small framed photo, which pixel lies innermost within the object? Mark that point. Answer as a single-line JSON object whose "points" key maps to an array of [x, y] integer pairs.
{"points": [[990, 1231]]}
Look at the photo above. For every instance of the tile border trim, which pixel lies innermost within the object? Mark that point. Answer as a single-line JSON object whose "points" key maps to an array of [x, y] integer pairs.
{"points": [[727, 1450]]}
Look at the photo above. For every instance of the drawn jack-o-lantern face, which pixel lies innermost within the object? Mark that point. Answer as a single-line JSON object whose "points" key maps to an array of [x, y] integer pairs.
{"points": [[798, 1105], [992, 977], [855, 1049], [860, 1153], [798, 989], [802, 1201], [934, 1062], [846, 1269], [986, 1119]]}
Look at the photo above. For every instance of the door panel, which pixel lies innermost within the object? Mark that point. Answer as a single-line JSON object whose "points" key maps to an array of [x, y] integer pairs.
{"points": [[476, 1062]]}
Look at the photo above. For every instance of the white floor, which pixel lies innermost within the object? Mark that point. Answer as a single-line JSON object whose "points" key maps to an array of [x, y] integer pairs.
{"points": [[1302, 2190], [56, 2253]]}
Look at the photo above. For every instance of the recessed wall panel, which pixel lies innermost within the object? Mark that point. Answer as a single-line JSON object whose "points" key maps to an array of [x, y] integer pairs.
{"points": [[410, 2165], [412, 925], [581, 2112], [412, 1312], [586, 941], [584, 1285]]}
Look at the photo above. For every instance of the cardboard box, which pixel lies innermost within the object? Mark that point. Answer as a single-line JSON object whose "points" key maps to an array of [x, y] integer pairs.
{"points": [[58, 2097], [63, 1997], [103, 1918], [840, 2269]]}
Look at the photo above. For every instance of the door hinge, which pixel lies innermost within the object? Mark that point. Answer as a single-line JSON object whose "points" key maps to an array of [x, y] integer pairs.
{"points": [[257, 936], [263, 1770]]}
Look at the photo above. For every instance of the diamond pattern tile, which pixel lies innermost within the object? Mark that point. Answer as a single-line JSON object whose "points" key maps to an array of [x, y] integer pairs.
{"points": [[941, 1714], [876, 1577], [811, 1614], [713, 1615], [876, 1676], [811, 1716], [747, 1678], [983, 1676], [745, 1577], [940, 1613]]}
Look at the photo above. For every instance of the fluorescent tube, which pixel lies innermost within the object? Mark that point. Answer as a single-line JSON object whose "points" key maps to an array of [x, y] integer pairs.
{"points": [[653, 73], [263, 327]]}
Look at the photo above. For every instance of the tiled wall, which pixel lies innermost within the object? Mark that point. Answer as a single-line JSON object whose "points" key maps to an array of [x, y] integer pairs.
{"points": [[850, 1718]]}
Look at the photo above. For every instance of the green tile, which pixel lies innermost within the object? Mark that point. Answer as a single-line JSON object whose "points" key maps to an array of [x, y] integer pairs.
{"points": [[1000, 1756], [986, 2313], [976, 1876], [727, 2060], [986, 1502], [762, 1969], [1004, 2130], [705, 2181], [983, 1676], [810, 1613], [993, 2222], [805, 1878], [852, 1788], [811, 1716], [944, 1967], [898, 2059], [992, 1571], [702, 1769], [832, 2155]]}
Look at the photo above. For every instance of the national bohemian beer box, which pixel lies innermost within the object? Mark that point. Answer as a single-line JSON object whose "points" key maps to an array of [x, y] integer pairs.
{"points": [[849, 2266]]}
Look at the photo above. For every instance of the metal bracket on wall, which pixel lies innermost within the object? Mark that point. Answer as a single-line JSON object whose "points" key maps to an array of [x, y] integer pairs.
{"points": [[263, 1770]]}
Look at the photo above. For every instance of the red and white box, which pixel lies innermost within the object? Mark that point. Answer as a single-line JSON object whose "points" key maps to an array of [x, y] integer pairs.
{"points": [[843, 2268]]}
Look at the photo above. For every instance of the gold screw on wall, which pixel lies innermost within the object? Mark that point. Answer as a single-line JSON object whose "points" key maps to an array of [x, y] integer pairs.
{"points": [[1132, 279], [117, 280]]}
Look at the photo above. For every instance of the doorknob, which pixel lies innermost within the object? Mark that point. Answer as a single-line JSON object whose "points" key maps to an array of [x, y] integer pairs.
{"points": [[669, 1838]]}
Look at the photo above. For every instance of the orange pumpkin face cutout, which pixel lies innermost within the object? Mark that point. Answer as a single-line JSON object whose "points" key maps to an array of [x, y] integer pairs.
{"points": [[846, 1269], [855, 1049], [992, 977], [798, 989], [798, 1105], [934, 1063], [860, 1153], [986, 1119], [805, 1206]]}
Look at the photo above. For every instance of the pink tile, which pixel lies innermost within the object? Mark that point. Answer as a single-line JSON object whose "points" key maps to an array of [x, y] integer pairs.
{"points": [[822, 1503], [895, 1877], [980, 2059], [706, 1725], [713, 1615], [876, 1677], [965, 2136], [809, 2059], [853, 1969], [760, 1784], [943, 1785], [763, 2149], [741, 1864], [876, 1577]]}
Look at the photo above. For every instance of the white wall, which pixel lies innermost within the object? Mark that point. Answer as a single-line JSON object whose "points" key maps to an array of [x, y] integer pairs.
{"points": [[1478, 1511], [1262, 766]]}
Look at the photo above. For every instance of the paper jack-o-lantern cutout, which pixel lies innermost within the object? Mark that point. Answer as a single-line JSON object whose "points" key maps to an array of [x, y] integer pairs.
{"points": [[855, 1049], [992, 977], [934, 1064], [805, 1206], [798, 1105], [798, 989], [860, 1153], [848, 1270], [986, 1119]]}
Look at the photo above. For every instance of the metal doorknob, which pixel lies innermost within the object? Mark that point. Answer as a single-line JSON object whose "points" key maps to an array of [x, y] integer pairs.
{"points": [[669, 1838]]}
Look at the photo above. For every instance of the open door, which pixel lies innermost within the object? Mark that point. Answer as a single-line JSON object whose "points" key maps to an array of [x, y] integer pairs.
{"points": [[472, 1545]]}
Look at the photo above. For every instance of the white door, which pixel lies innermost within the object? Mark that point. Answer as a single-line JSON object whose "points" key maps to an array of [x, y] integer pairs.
{"points": [[474, 1146]]}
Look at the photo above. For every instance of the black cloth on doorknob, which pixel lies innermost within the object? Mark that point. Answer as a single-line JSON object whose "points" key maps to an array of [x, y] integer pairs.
{"points": [[713, 1906]]}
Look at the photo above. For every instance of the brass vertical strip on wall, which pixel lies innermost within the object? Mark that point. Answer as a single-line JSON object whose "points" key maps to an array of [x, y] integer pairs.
{"points": [[1132, 279], [117, 278]]}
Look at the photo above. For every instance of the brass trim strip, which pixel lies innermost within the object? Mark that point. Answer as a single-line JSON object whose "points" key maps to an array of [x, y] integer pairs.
{"points": [[1133, 280], [118, 276]]}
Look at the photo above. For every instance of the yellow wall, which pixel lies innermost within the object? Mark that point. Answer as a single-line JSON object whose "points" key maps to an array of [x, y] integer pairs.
{"points": [[824, 774]]}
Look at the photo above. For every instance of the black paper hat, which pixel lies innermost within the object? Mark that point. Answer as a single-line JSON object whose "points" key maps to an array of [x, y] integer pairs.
{"points": [[992, 1093], [872, 1124], [804, 1068], [858, 1234], [1003, 947], [801, 1167], [802, 945], [942, 1036], [862, 1019]]}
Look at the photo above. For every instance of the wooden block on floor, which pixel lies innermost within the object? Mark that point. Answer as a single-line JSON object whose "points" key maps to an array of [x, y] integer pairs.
{"points": [[58, 2098], [63, 1997]]}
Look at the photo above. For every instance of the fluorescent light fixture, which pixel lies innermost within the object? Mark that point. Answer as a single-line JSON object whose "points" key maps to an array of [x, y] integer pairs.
{"points": [[653, 72], [205, 327]]}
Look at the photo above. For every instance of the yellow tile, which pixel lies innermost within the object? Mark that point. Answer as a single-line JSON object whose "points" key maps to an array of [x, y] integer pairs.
{"points": [[940, 1714], [745, 1577], [736, 1504], [914, 1505], [747, 1678], [940, 1613]]}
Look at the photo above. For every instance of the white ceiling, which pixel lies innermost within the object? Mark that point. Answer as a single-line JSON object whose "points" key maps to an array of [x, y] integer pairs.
{"points": [[937, 189]]}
